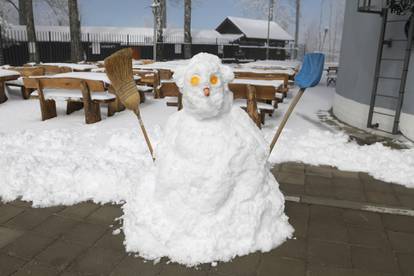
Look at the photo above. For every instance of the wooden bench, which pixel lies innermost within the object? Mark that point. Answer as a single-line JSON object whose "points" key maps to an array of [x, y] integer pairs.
{"points": [[261, 99], [267, 76], [25, 72], [79, 93], [168, 88], [54, 69]]}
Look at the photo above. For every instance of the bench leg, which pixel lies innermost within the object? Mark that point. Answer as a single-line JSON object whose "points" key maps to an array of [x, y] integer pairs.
{"points": [[48, 109], [92, 112], [112, 106], [3, 96], [72, 106], [141, 97], [26, 92]]}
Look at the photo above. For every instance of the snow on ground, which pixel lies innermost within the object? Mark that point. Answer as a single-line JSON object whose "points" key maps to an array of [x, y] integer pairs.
{"points": [[63, 160]]}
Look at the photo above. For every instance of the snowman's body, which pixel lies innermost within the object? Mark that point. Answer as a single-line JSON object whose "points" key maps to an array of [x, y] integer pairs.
{"points": [[213, 196]]}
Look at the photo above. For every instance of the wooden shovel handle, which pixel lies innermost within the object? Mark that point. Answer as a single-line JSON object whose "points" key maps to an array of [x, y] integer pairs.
{"points": [[286, 117]]}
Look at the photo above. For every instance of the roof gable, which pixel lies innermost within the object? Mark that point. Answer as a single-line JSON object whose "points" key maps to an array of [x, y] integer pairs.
{"points": [[253, 28]]}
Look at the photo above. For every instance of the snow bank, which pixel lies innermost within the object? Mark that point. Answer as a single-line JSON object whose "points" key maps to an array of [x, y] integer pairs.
{"points": [[334, 149]]}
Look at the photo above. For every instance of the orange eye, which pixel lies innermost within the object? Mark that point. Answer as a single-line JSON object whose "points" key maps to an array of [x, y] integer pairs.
{"points": [[214, 79], [195, 80]]}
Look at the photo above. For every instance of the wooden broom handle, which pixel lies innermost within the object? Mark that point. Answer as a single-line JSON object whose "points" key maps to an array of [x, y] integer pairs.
{"points": [[285, 118], [144, 131]]}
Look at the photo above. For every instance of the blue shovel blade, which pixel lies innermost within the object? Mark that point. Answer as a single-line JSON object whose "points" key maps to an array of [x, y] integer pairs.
{"points": [[311, 72]]}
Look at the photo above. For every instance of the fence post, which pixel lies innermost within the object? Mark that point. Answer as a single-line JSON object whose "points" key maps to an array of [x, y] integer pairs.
{"points": [[127, 39], [50, 46]]}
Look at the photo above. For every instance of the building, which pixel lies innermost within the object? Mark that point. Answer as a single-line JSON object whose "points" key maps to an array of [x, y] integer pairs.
{"points": [[392, 108], [253, 37]]}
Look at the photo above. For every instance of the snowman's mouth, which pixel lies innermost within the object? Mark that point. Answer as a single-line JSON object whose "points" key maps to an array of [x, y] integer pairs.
{"points": [[206, 91]]}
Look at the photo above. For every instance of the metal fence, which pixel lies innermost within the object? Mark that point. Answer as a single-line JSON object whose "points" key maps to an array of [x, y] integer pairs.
{"points": [[54, 46]]}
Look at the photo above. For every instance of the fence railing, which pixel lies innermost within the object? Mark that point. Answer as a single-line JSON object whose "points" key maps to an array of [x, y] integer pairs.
{"points": [[54, 46]]}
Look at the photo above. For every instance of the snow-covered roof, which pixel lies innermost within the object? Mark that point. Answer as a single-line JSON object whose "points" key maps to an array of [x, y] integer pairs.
{"points": [[254, 28], [124, 34]]}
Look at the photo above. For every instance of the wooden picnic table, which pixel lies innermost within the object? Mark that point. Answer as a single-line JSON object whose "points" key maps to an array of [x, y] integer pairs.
{"points": [[6, 75], [76, 67]]}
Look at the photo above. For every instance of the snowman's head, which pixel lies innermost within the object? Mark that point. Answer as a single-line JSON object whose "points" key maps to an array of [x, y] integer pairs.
{"points": [[203, 83]]}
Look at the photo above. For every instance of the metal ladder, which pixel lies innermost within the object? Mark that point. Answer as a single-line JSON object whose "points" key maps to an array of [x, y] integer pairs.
{"points": [[377, 76]]}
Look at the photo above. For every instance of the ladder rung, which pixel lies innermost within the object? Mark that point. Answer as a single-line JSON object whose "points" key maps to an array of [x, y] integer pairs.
{"points": [[398, 40], [396, 20], [393, 59], [387, 96], [382, 113], [389, 78]]}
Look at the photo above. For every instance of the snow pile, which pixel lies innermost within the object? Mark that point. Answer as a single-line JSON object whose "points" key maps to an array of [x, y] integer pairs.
{"points": [[59, 166], [334, 149], [213, 196]]}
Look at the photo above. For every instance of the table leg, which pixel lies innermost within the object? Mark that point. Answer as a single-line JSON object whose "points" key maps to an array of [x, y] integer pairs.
{"points": [[3, 96]]}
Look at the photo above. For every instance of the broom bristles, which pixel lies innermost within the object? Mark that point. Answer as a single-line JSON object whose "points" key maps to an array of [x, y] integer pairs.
{"points": [[119, 70]]}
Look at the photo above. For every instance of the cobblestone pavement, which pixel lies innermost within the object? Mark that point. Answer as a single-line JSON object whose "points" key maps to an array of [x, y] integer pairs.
{"points": [[78, 240]]}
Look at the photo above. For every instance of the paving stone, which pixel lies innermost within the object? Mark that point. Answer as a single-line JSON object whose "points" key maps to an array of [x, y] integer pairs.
{"points": [[328, 231], [243, 266], [319, 186], [298, 168], [347, 183], [9, 264], [374, 260], [80, 210], [55, 226], [28, 245], [345, 174], [9, 211], [406, 200], [402, 242], [374, 185], [29, 219], [298, 217], [293, 248], [292, 189], [97, 261], [328, 271], [358, 272], [111, 241], [362, 219], [329, 254], [383, 198], [85, 233], [406, 262], [324, 171], [60, 254], [105, 214], [350, 194], [326, 214], [136, 266], [291, 178], [8, 235], [180, 270], [367, 238], [36, 269], [281, 266], [398, 223]]}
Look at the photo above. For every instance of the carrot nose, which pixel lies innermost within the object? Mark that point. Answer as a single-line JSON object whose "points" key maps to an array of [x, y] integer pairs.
{"points": [[206, 91]]}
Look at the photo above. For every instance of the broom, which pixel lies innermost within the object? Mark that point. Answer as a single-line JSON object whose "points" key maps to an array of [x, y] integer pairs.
{"points": [[118, 67]]}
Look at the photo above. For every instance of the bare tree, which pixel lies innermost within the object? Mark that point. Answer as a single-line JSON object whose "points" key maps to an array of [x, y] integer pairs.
{"points": [[163, 12], [60, 9], [31, 33], [159, 10], [187, 29], [297, 16], [22, 12], [75, 32]]}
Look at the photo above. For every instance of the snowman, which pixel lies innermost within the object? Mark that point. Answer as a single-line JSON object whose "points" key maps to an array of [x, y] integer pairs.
{"points": [[211, 196]]}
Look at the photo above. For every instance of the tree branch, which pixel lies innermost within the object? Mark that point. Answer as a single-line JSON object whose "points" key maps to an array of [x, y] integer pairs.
{"points": [[13, 4]]}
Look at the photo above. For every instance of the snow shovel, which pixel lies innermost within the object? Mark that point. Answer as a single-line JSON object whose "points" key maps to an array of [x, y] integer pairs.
{"points": [[309, 76], [118, 67]]}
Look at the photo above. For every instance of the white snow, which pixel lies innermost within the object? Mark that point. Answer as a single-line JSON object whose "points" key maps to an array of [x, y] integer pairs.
{"points": [[212, 196], [8, 73], [64, 161], [274, 83], [74, 66], [272, 64], [254, 28]]}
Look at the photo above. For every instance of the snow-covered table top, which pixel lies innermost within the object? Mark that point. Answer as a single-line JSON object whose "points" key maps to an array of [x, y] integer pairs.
{"points": [[8, 73], [83, 75], [272, 64], [167, 65], [274, 83], [287, 71], [74, 66]]}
